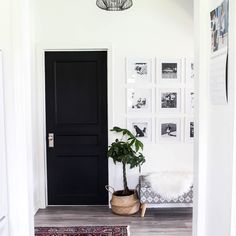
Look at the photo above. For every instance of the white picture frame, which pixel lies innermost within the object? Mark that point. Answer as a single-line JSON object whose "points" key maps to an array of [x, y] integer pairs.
{"points": [[169, 70], [139, 100], [189, 129], [169, 130], [141, 128], [189, 100], [190, 72], [139, 70], [169, 100]]}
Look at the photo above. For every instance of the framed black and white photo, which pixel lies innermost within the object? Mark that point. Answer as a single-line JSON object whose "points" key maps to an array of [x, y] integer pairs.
{"points": [[141, 128], [189, 100], [170, 70], [190, 72], [139, 100], [169, 129], [169, 100], [139, 70], [189, 129]]}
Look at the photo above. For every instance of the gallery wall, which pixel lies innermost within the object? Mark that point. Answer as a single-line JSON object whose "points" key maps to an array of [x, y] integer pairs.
{"points": [[159, 29]]}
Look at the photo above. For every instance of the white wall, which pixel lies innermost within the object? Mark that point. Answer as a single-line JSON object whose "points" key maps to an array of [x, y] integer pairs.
{"points": [[220, 157], [233, 75], [15, 43], [154, 29], [5, 71], [215, 144]]}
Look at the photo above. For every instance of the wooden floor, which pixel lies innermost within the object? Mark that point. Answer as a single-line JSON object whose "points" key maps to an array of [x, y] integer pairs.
{"points": [[158, 222]]}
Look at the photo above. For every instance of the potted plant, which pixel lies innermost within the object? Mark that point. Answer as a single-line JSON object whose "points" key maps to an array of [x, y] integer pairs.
{"points": [[126, 150]]}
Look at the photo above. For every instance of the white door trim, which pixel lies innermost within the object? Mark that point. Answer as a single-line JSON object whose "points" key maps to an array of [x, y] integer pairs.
{"points": [[201, 15], [232, 75], [3, 174]]}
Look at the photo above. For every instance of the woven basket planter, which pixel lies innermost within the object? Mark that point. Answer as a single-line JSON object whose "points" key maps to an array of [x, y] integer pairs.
{"points": [[124, 205]]}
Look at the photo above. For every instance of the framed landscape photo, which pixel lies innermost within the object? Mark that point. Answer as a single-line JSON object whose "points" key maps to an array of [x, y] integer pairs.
{"points": [[190, 72], [189, 129], [169, 129], [139, 100], [141, 128], [190, 97], [170, 70], [169, 100], [139, 70]]}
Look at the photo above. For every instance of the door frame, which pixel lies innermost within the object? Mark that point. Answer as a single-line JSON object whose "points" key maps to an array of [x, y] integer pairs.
{"points": [[3, 166], [41, 200]]}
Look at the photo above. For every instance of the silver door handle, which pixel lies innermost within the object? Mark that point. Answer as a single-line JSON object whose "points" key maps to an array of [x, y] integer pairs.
{"points": [[51, 140]]}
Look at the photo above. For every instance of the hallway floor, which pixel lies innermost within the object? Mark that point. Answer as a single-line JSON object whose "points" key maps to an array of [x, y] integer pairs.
{"points": [[157, 222]]}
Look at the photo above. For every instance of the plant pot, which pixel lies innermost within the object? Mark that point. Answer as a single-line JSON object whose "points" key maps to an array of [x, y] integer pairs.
{"points": [[125, 205]]}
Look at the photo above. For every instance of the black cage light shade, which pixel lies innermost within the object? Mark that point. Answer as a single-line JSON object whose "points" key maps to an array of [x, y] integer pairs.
{"points": [[114, 5]]}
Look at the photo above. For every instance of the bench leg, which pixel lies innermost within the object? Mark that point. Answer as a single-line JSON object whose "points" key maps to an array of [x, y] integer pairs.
{"points": [[143, 208]]}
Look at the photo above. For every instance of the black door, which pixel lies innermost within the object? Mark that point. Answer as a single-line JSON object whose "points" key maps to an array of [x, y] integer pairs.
{"points": [[76, 117]]}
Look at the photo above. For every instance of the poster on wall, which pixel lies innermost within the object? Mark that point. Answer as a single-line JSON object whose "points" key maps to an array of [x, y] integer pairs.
{"points": [[219, 27], [189, 100], [139, 70], [189, 129], [170, 70], [139, 100], [169, 130], [141, 128], [219, 18], [169, 100], [190, 73]]}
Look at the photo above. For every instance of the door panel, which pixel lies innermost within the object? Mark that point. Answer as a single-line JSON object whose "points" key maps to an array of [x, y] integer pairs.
{"points": [[85, 89], [76, 113]]}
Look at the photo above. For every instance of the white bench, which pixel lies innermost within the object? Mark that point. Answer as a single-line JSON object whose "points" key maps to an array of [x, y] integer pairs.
{"points": [[147, 196]]}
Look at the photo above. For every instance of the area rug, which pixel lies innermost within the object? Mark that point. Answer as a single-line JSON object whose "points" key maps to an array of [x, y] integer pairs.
{"points": [[82, 231]]}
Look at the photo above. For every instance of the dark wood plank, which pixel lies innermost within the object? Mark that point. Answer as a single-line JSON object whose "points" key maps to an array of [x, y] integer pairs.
{"points": [[158, 222]]}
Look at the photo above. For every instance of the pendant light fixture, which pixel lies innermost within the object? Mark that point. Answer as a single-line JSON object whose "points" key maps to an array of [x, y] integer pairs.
{"points": [[114, 5]]}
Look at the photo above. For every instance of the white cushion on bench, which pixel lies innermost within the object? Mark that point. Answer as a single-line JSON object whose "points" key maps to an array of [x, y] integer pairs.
{"points": [[170, 184]]}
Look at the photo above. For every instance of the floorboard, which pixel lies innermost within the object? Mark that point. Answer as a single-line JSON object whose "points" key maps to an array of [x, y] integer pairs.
{"points": [[157, 222]]}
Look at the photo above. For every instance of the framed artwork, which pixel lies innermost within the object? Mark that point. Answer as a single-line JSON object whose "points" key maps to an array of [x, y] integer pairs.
{"points": [[190, 72], [219, 26], [139, 100], [141, 128], [189, 129], [169, 129], [169, 100], [139, 70], [170, 70], [189, 100]]}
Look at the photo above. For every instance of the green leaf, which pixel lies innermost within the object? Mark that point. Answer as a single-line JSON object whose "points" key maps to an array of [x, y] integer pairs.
{"points": [[116, 129], [139, 144], [131, 143], [126, 152], [136, 144]]}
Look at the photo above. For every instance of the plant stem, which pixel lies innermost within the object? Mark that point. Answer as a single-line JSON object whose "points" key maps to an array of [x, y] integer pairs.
{"points": [[126, 189]]}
